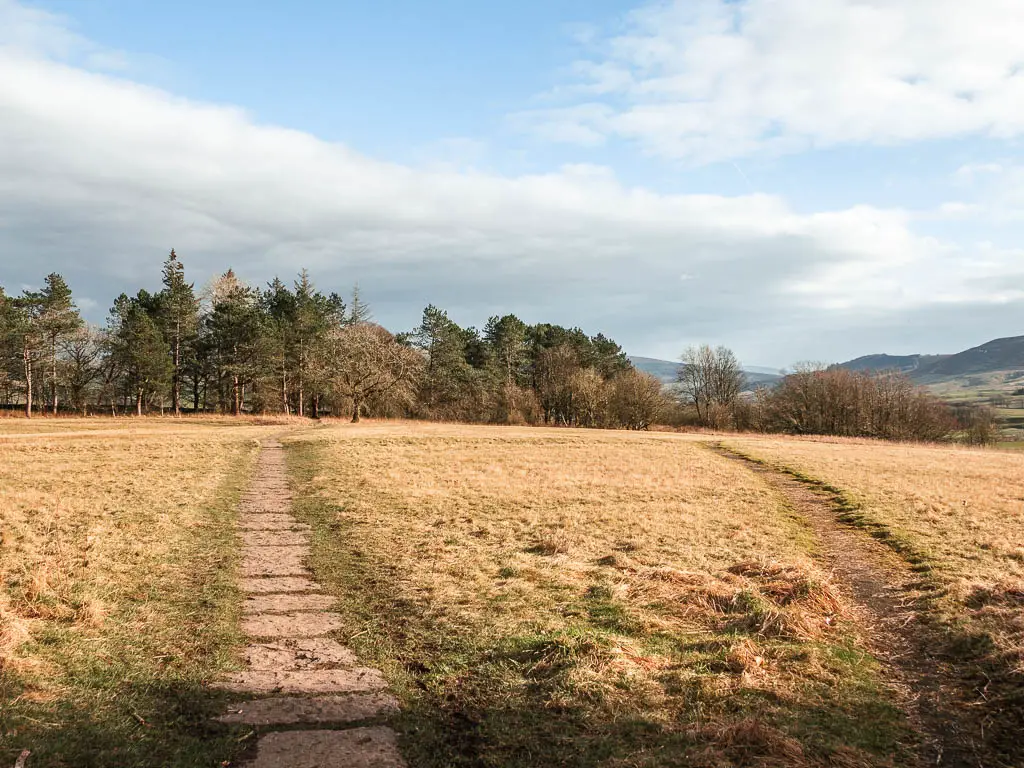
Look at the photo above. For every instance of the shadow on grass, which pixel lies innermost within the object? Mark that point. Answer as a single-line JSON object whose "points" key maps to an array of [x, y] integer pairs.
{"points": [[128, 725], [463, 723]]}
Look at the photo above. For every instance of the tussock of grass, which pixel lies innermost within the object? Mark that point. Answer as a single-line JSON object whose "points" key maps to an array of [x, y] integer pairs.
{"points": [[556, 598], [118, 600]]}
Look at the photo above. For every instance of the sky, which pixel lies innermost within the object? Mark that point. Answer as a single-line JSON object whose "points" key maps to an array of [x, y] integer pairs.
{"points": [[796, 179]]}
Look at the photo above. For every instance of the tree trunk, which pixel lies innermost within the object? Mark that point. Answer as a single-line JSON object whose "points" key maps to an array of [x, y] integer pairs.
{"points": [[284, 391], [195, 395], [237, 405], [302, 396], [316, 405], [138, 403], [53, 372], [355, 409], [176, 381], [27, 355]]}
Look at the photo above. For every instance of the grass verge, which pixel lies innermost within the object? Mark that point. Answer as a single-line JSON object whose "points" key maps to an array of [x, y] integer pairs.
{"points": [[119, 601]]}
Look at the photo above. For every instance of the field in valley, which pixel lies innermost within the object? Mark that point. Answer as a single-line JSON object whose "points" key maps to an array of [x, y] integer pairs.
{"points": [[533, 596]]}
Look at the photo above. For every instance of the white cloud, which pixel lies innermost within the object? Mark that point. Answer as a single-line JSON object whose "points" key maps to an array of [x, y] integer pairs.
{"points": [[997, 191], [971, 171], [100, 176], [707, 80]]}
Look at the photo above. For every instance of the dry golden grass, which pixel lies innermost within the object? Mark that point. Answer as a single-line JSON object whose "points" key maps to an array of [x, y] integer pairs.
{"points": [[12, 427], [111, 545], [962, 507], [589, 590], [959, 510]]}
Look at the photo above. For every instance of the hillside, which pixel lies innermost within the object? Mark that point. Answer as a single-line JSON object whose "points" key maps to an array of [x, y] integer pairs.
{"points": [[998, 355], [666, 370], [901, 363]]}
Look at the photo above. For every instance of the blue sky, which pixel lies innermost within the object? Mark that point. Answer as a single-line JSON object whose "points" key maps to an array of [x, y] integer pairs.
{"points": [[387, 78], [799, 180]]}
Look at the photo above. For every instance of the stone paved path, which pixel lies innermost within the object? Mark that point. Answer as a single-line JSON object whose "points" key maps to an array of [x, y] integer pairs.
{"points": [[305, 693]]}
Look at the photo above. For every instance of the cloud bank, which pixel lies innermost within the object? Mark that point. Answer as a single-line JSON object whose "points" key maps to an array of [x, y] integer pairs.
{"points": [[101, 176]]}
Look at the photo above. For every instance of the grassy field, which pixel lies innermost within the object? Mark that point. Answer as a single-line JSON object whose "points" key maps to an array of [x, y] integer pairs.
{"points": [[557, 597], [535, 597], [118, 600]]}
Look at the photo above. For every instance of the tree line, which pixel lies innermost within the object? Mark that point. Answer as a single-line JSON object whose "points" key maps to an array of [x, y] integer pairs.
{"points": [[293, 349]]}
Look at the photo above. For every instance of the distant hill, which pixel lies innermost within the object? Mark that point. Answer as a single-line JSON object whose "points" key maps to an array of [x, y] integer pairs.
{"points": [[901, 363], [666, 370], [997, 355], [994, 356]]}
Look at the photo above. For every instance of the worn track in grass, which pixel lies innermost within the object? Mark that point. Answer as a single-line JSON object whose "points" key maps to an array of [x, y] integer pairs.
{"points": [[889, 595]]}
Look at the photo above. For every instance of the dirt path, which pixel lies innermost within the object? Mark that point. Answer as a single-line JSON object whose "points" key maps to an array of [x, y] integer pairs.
{"points": [[311, 703], [886, 594]]}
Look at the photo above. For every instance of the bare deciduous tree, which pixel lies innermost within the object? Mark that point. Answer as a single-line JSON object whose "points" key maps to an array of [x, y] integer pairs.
{"points": [[835, 401], [637, 399], [365, 361], [83, 364], [711, 381]]}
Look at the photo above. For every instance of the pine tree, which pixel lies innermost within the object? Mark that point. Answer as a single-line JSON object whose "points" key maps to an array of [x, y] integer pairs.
{"points": [[446, 374], [236, 330], [179, 316], [139, 347], [26, 336], [608, 357], [58, 319], [315, 315], [15, 322], [359, 311], [279, 306], [507, 337]]}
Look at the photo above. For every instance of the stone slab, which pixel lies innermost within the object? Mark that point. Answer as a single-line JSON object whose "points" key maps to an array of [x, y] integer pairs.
{"points": [[321, 710], [295, 653], [290, 624], [277, 552], [269, 521], [272, 584], [274, 561], [280, 538], [319, 681], [354, 748], [287, 603]]}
